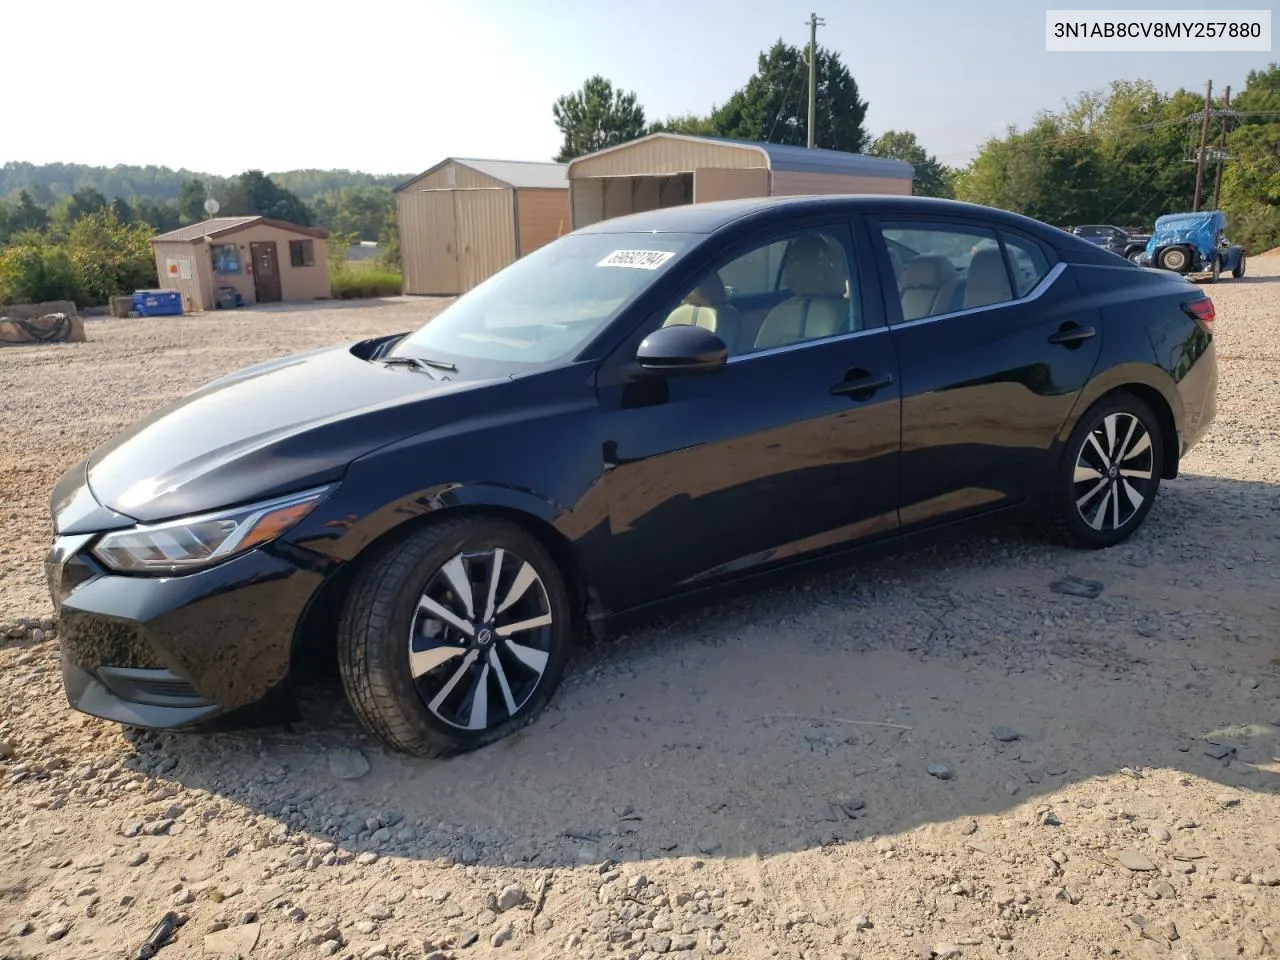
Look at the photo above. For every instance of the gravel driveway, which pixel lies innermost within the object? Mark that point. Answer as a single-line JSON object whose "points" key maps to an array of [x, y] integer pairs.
{"points": [[936, 755]]}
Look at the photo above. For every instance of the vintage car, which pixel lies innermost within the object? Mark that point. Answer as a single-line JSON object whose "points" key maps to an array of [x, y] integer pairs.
{"points": [[1193, 243]]}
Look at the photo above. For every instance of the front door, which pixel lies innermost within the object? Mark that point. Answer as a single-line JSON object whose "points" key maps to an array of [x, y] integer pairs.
{"points": [[266, 272], [791, 449], [994, 343]]}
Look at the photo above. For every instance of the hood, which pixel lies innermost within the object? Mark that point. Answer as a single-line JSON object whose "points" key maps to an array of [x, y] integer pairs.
{"points": [[268, 429]]}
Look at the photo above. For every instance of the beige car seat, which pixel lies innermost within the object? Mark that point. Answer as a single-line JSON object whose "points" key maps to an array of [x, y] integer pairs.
{"points": [[928, 286], [705, 307], [988, 280], [815, 275]]}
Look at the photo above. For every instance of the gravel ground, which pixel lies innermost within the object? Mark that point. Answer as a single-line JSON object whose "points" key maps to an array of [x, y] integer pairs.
{"points": [[937, 755]]}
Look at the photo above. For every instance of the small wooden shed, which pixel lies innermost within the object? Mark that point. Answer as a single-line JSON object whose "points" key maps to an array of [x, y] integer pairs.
{"points": [[263, 260], [669, 169], [463, 220]]}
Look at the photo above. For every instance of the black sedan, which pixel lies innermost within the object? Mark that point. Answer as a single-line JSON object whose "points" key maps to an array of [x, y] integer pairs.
{"points": [[647, 410]]}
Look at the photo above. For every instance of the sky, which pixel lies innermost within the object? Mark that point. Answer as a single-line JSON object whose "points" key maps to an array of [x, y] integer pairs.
{"points": [[395, 86]]}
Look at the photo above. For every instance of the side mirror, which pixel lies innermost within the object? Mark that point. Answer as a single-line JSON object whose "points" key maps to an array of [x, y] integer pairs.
{"points": [[682, 349]]}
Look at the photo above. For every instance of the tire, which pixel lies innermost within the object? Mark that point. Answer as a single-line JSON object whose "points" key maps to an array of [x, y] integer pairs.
{"points": [[1177, 259], [466, 682], [1216, 272], [1085, 506], [1238, 270], [1135, 256]]}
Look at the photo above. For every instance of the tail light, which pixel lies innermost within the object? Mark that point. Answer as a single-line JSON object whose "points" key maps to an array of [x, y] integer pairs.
{"points": [[1202, 312]]}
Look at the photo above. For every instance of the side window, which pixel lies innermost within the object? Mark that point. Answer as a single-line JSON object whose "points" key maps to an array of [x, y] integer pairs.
{"points": [[788, 291], [1027, 263], [946, 268]]}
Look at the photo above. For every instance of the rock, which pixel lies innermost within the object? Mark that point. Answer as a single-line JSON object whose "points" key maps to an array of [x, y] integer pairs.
{"points": [[503, 935], [1069, 894], [377, 950], [708, 846], [1159, 833], [686, 941], [487, 917], [658, 943], [862, 922], [296, 914], [138, 859], [1050, 819], [1011, 787], [1168, 930], [1005, 734], [466, 939], [233, 941], [365, 926], [850, 805], [1228, 800], [347, 763], [1188, 853], [1271, 878], [940, 770], [21, 929], [131, 828], [1161, 890], [451, 911], [468, 855], [367, 859], [329, 948], [378, 911], [1135, 860], [512, 896], [947, 951], [57, 931], [1219, 751], [1073, 586], [982, 846], [968, 828]]}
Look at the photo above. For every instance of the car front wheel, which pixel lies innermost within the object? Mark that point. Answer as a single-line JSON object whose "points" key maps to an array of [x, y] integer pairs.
{"points": [[454, 636], [1238, 270], [1176, 259], [1109, 473]]}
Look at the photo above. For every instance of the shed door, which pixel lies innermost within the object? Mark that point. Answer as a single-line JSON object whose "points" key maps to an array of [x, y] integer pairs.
{"points": [[432, 267], [486, 234], [266, 272]]}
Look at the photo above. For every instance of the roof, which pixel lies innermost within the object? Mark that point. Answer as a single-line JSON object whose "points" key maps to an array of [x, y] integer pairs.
{"points": [[784, 157], [220, 226], [521, 174], [715, 215]]}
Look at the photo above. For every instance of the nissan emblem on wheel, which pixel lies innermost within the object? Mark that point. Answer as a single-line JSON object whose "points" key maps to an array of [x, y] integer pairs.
{"points": [[650, 411]]}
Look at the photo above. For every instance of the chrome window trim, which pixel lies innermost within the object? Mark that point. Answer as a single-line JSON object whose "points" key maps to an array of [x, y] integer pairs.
{"points": [[788, 347], [1036, 293]]}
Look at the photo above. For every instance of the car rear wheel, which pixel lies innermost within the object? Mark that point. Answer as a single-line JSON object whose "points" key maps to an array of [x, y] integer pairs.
{"points": [[1177, 259], [1110, 472], [1238, 270], [455, 636], [1135, 256]]}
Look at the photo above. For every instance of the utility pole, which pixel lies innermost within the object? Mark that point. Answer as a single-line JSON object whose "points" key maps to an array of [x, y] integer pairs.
{"points": [[1222, 147], [1204, 142], [814, 22]]}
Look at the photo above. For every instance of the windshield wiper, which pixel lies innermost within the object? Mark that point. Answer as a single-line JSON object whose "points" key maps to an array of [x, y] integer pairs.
{"points": [[420, 362], [414, 362]]}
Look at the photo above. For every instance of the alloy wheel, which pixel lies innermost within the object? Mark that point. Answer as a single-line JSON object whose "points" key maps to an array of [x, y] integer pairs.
{"points": [[480, 638], [1114, 472]]}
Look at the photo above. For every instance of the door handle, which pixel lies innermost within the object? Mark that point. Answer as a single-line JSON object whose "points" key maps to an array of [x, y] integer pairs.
{"points": [[1071, 335], [860, 388]]}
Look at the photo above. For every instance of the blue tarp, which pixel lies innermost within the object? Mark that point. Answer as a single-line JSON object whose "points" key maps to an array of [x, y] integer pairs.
{"points": [[1200, 230]]}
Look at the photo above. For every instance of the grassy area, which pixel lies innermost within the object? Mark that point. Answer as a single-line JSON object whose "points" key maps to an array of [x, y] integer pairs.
{"points": [[357, 282]]}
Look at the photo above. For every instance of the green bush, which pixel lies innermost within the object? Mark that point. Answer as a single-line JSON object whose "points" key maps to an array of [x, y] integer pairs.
{"points": [[33, 271], [353, 284], [1258, 229]]}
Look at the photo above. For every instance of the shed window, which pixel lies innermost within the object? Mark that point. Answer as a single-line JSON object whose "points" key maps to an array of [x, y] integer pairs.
{"points": [[302, 253], [226, 258]]}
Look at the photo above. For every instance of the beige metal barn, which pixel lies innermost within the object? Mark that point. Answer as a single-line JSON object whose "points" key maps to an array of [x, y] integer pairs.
{"points": [[668, 169], [463, 220]]}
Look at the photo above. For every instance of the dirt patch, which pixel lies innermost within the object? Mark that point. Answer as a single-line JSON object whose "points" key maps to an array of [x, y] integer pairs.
{"points": [[936, 755]]}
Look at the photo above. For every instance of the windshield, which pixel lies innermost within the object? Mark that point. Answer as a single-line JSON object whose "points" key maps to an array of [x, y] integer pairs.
{"points": [[548, 305]]}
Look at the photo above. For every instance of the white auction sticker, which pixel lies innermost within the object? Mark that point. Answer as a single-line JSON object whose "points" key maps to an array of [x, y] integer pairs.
{"points": [[639, 259]]}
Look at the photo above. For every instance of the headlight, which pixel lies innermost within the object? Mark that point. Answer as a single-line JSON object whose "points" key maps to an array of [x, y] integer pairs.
{"points": [[202, 540]]}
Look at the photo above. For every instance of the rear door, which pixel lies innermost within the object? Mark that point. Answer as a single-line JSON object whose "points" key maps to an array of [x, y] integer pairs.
{"points": [[990, 365]]}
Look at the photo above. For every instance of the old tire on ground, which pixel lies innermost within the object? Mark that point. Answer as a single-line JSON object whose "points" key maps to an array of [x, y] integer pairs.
{"points": [[1177, 259], [1238, 270], [454, 636], [1109, 473]]}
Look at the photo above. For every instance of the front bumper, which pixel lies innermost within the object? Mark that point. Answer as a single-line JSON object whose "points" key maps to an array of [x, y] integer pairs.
{"points": [[172, 651]]}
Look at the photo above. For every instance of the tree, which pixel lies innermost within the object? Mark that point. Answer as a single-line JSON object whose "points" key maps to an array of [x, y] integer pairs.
{"points": [[1251, 178], [358, 210], [191, 200], [595, 117], [253, 192], [27, 214], [109, 257], [932, 179], [773, 106], [690, 124]]}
